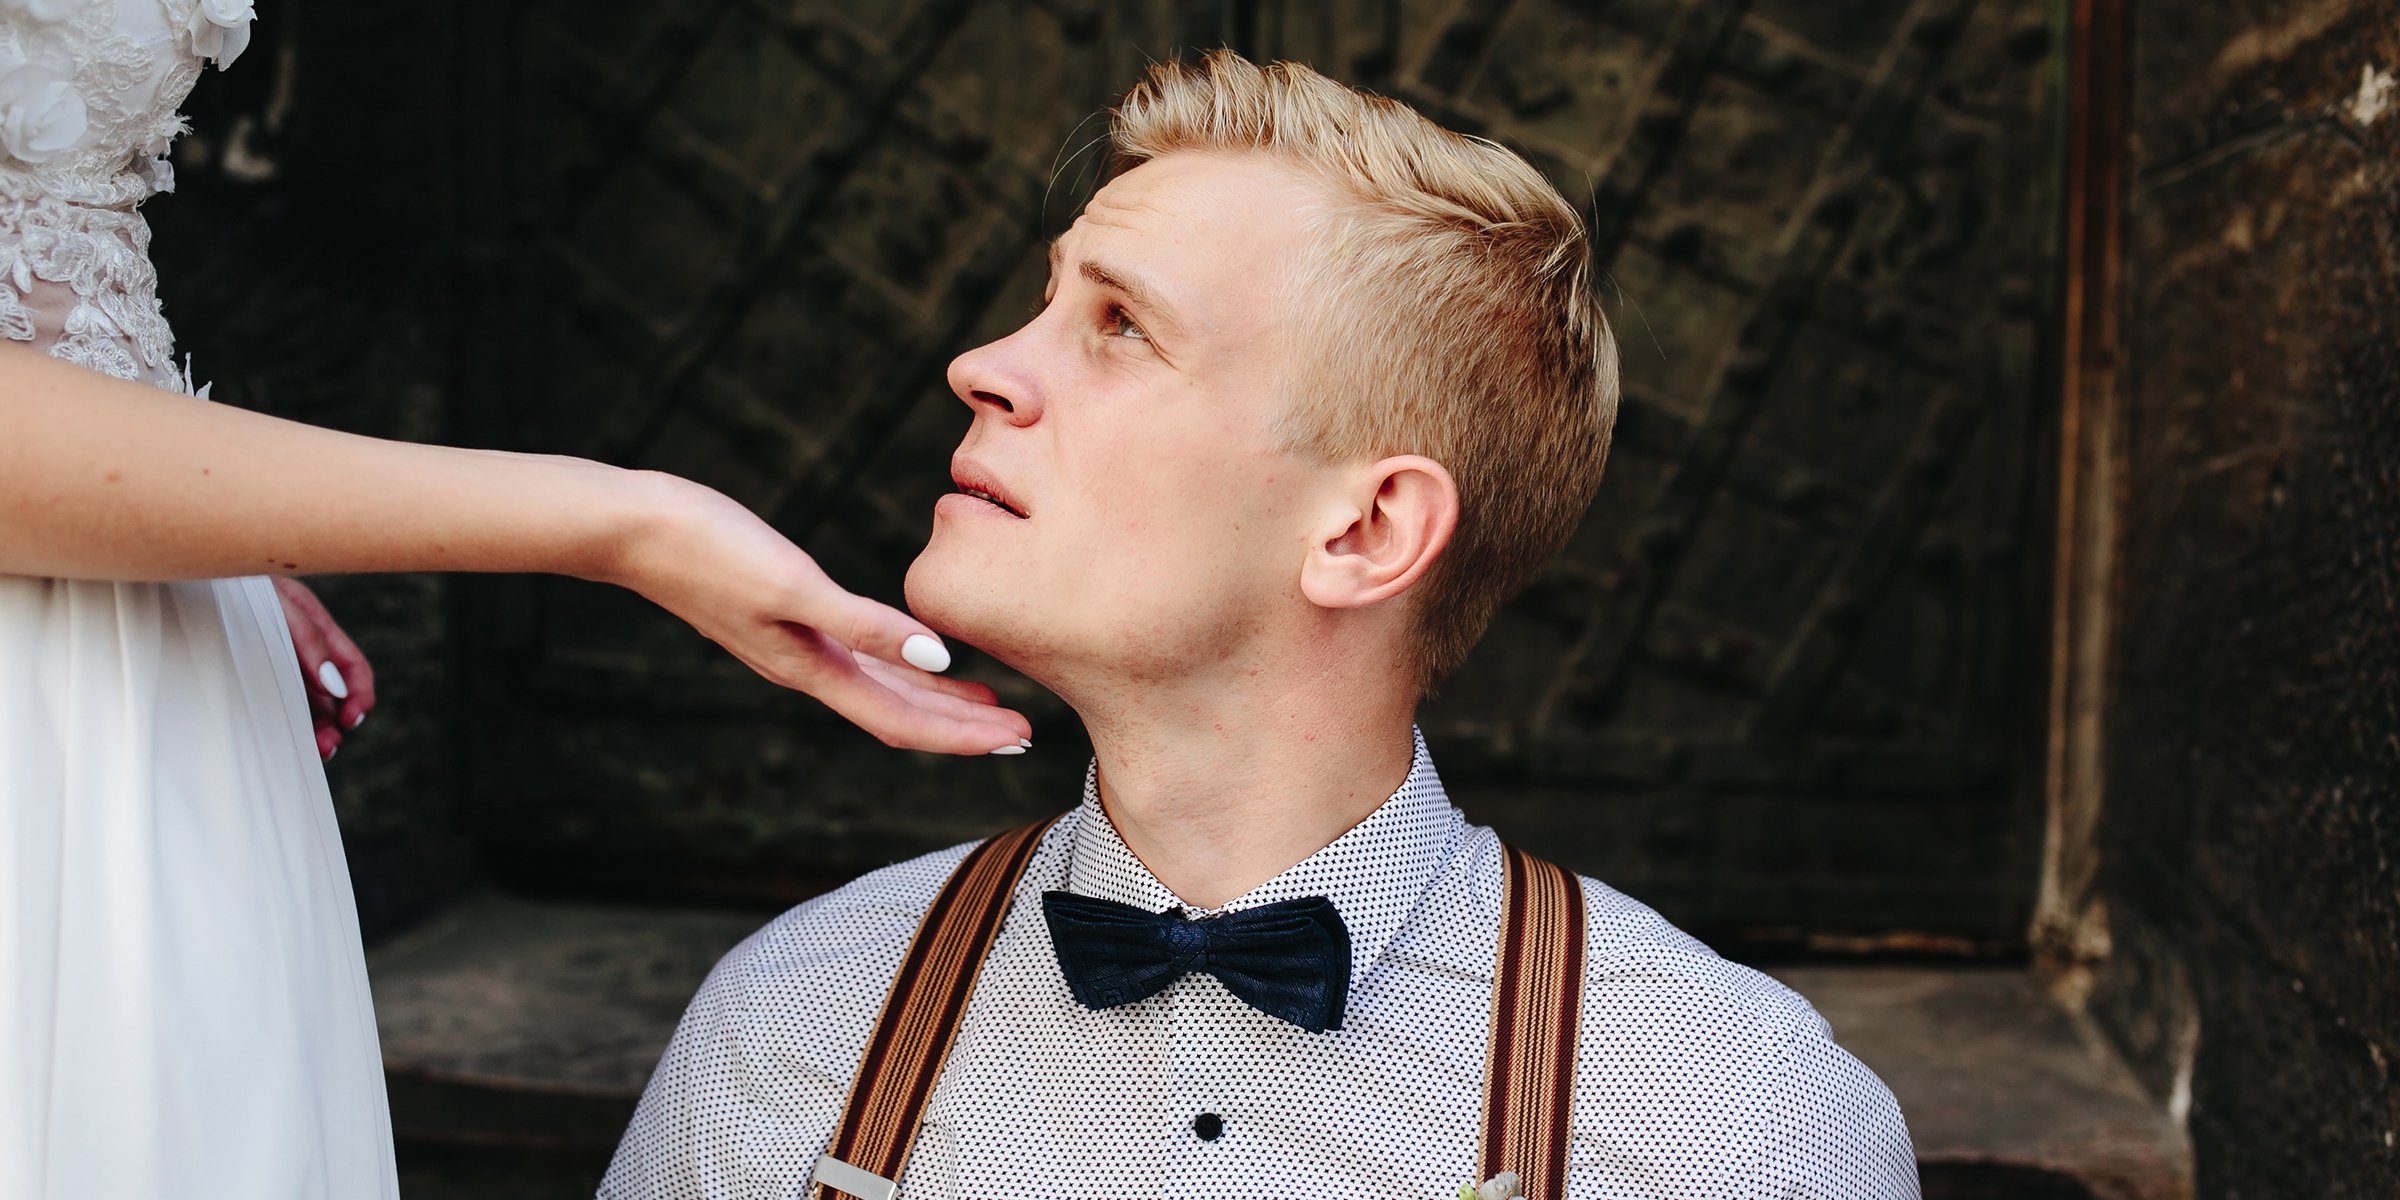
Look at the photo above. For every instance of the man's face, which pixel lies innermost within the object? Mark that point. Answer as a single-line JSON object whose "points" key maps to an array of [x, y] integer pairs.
{"points": [[1122, 506]]}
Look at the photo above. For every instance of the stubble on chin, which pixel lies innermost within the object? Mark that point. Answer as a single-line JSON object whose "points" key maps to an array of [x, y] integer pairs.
{"points": [[943, 596]]}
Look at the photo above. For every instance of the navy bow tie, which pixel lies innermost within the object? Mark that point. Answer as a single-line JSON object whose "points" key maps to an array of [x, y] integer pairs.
{"points": [[1289, 960]]}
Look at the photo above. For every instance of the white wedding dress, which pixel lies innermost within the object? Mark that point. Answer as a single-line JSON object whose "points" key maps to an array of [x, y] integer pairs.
{"points": [[184, 1008]]}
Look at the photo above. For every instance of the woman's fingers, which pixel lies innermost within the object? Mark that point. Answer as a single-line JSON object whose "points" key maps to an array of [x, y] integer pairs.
{"points": [[344, 656], [909, 677], [300, 609], [748, 588], [971, 708], [900, 705], [927, 720], [878, 672], [866, 626], [339, 682]]}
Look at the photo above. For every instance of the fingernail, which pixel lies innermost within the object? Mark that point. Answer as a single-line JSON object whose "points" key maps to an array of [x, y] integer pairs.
{"points": [[925, 654], [1025, 742], [332, 679], [358, 720], [1008, 750], [330, 753]]}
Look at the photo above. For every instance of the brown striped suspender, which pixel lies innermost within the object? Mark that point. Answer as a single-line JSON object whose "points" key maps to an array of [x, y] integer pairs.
{"points": [[1537, 1013], [920, 1018], [1529, 1084]]}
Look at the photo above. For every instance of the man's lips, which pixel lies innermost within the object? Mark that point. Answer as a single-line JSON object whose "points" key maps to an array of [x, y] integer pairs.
{"points": [[975, 484], [991, 499]]}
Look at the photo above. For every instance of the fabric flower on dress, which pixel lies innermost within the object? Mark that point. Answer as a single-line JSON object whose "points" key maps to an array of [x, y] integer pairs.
{"points": [[221, 29], [41, 116], [16, 320], [157, 172], [152, 164]]}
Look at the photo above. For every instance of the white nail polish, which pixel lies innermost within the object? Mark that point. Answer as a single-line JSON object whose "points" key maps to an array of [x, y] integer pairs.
{"points": [[331, 677], [925, 654], [1008, 750], [358, 720], [1025, 742], [330, 753]]}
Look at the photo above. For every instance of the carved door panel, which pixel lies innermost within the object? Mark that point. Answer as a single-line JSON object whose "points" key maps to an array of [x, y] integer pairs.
{"points": [[1777, 687]]}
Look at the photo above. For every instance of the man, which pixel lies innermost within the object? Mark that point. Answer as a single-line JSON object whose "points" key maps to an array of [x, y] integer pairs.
{"points": [[1315, 387]]}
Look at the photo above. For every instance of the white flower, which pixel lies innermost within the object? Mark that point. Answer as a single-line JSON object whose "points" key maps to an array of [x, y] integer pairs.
{"points": [[157, 172], [221, 29], [1503, 1186], [40, 114]]}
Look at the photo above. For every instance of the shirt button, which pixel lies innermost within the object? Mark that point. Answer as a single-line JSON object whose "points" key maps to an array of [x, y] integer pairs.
{"points": [[1209, 1126]]}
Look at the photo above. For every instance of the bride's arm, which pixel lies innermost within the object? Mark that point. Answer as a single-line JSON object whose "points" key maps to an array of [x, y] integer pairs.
{"points": [[104, 479]]}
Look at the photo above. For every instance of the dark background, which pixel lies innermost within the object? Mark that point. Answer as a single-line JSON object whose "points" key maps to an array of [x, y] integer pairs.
{"points": [[1787, 685], [1776, 688]]}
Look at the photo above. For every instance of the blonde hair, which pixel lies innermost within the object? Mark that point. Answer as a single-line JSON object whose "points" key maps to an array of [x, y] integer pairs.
{"points": [[1447, 312]]}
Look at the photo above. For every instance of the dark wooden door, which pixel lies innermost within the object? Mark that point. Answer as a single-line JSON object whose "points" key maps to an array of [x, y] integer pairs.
{"points": [[1779, 686]]}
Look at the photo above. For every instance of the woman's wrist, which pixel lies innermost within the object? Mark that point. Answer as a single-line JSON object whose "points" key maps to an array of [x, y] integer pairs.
{"points": [[632, 521]]}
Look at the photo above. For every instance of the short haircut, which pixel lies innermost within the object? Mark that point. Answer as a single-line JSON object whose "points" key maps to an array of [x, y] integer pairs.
{"points": [[1446, 311]]}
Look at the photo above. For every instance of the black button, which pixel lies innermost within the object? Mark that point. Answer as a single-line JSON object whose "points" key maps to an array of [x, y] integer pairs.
{"points": [[1209, 1126]]}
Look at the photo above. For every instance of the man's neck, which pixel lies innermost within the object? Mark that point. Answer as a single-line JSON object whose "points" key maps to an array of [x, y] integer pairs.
{"points": [[1221, 794]]}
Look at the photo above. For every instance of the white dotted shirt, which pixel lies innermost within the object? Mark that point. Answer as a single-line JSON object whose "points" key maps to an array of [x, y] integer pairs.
{"points": [[1695, 1077]]}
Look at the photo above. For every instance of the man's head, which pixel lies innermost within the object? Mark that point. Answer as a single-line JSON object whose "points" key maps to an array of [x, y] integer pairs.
{"points": [[1309, 368]]}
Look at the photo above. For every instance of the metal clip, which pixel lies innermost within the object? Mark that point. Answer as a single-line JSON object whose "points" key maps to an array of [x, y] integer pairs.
{"points": [[857, 1181]]}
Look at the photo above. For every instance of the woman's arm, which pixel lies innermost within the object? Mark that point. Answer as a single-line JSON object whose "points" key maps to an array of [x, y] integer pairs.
{"points": [[104, 479]]}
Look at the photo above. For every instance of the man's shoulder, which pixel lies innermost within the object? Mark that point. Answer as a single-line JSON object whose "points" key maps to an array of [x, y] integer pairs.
{"points": [[1640, 971], [1681, 1048], [755, 1075], [1730, 1081], [863, 918], [1634, 950]]}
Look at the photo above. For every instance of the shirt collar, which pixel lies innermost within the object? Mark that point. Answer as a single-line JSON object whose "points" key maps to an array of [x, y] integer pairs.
{"points": [[1375, 873]]}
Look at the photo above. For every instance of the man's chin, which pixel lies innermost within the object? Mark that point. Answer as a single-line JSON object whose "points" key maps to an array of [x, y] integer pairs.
{"points": [[969, 610]]}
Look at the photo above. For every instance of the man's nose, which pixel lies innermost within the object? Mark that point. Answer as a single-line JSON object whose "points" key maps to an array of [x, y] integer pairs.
{"points": [[993, 379]]}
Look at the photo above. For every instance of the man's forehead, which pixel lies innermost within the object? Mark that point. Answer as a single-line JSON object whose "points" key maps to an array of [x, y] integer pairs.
{"points": [[1135, 204], [1131, 197], [1221, 201]]}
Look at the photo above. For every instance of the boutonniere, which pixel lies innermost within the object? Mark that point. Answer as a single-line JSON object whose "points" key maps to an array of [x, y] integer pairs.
{"points": [[1503, 1186]]}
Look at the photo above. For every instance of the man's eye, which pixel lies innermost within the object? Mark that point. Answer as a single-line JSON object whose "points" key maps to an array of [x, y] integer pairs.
{"points": [[1120, 324]]}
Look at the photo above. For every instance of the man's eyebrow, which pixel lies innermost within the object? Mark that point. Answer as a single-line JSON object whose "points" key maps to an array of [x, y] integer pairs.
{"points": [[1142, 295]]}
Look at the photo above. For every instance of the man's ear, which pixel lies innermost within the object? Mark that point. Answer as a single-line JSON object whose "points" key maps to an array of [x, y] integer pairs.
{"points": [[1391, 520]]}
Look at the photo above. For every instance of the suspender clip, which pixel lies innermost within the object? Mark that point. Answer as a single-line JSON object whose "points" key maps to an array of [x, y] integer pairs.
{"points": [[840, 1176]]}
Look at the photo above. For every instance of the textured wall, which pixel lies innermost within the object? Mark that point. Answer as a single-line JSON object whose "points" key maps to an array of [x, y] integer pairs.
{"points": [[2254, 741], [1780, 685]]}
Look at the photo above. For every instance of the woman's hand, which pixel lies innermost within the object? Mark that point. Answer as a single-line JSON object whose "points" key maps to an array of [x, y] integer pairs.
{"points": [[341, 686], [747, 588], [105, 479]]}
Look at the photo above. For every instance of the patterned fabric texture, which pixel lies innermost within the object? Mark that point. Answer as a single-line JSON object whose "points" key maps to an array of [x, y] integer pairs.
{"points": [[88, 97], [1695, 1077]]}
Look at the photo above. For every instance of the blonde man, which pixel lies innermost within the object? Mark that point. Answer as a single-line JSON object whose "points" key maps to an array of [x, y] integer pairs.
{"points": [[1315, 387]]}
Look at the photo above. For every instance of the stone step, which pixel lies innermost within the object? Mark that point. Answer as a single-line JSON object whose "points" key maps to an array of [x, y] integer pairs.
{"points": [[517, 1035], [2005, 1093]]}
